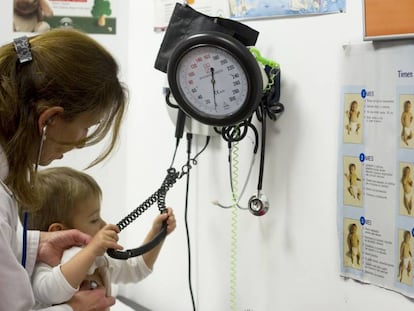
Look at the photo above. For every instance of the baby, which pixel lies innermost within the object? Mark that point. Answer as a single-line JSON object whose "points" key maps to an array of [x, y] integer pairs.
{"points": [[406, 120], [405, 256], [353, 116], [353, 180], [407, 184], [353, 243], [71, 199]]}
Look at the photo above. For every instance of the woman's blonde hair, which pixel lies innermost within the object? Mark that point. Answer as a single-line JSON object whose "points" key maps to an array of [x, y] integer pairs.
{"points": [[69, 69], [60, 189]]}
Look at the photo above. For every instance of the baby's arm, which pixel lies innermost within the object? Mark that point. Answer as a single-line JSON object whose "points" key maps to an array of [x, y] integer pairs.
{"points": [[151, 256], [348, 177], [76, 269], [46, 8], [348, 240], [50, 286]]}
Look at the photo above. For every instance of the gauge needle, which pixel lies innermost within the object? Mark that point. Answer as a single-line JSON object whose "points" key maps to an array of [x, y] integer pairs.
{"points": [[213, 83]]}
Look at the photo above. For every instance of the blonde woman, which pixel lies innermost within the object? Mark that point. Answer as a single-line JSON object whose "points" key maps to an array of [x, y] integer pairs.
{"points": [[53, 88]]}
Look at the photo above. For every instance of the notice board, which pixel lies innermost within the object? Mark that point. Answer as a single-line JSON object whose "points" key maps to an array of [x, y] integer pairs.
{"points": [[388, 19]]}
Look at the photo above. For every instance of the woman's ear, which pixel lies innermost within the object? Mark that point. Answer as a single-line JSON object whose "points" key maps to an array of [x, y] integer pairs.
{"points": [[46, 116], [56, 226]]}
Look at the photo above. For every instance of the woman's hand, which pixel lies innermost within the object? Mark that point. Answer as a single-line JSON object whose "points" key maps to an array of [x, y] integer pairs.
{"points": [[52, 244], [91, 300]]}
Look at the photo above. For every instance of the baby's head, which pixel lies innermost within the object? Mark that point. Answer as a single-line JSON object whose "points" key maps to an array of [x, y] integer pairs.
{"points": [[70, 199], [352, 167], [353, 228], [407, 236], [407, 105], [354, 105], [406, 171]]}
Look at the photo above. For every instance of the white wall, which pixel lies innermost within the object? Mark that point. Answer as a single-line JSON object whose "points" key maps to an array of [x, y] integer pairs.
{"points": [[287, 259]]}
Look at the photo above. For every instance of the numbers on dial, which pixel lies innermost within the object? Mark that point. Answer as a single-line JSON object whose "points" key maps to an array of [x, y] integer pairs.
{"points": [[212, 81]]}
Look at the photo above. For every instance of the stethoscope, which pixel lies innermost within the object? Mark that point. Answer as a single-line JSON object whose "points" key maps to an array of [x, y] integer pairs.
{"points": [[269, 107], [258, 204], [26, 213]]}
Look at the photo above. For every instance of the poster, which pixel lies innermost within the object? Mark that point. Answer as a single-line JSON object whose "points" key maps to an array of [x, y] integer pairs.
{"points": [[254, 9], [90, 16], [376, 166], [247, 9], [163, 10]]}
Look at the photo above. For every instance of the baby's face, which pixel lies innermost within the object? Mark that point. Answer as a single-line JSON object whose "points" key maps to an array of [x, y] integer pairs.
{"points": [[407, 107], [354, 106], [87, 216]]}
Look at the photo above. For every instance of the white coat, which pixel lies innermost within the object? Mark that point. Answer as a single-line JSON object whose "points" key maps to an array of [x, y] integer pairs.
{"points": [[15, 288]]}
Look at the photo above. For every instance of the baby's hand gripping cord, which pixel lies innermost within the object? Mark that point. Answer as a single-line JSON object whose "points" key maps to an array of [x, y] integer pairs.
{"points": [[159, 197]]}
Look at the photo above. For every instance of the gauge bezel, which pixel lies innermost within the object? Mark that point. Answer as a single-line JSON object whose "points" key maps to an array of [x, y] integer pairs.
{"points": [[246, 61]]}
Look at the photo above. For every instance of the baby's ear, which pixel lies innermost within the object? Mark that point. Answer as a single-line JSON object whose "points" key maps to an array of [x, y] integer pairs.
{"points": [[56, 226]]}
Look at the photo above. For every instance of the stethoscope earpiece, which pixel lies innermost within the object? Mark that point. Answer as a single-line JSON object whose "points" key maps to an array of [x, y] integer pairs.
{"points": [[258, 204]]}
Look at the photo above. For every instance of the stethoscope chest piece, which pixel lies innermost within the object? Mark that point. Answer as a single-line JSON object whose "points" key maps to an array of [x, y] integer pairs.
{"points": [[258, 204]]}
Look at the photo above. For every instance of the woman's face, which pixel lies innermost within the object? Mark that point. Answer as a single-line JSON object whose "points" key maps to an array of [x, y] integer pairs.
{"points": [[60, 132]]}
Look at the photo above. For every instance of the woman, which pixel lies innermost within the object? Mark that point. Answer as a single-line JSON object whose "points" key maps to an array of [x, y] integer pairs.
{"points": [[53, 88]]}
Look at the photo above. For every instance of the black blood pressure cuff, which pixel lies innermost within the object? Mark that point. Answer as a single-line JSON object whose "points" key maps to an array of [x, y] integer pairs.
{"points": [[186, 21]]}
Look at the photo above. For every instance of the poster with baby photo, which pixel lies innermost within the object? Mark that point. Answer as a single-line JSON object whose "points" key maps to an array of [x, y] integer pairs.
{"points": [[378, 166], [90, 16]]}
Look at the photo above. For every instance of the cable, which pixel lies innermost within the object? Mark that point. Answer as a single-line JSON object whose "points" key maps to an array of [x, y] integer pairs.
{"points": [[189, 141], [241, 193], [233, 235], [194, 160], [167, 98], [262, 155]]}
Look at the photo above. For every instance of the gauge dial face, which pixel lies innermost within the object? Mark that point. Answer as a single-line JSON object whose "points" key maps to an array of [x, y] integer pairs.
{"points": [[212, 81]]}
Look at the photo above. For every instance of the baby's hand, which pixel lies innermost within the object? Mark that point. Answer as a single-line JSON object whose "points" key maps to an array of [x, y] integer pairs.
{"points": [[106, 238], [171, 223]]}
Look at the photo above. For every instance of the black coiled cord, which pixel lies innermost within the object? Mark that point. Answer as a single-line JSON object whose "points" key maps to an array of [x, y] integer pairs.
{"points": [[159, 197]]}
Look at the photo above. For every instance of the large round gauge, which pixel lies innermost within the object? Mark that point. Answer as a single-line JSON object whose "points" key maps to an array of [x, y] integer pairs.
{"points": [[215, 79]]}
